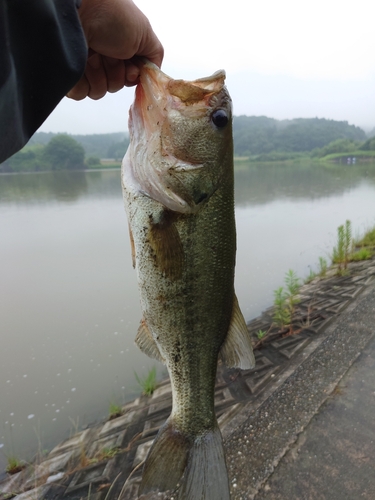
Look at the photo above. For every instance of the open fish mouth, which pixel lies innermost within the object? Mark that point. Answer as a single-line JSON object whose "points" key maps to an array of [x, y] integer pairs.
{"points": [[168, 166], [157, 90]]}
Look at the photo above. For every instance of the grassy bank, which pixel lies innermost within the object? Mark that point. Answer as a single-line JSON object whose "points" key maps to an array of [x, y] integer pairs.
{"points": [[360, 156]]}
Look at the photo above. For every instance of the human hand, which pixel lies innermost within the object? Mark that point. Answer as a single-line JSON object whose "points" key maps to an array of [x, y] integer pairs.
{"points": [[116, 32]]}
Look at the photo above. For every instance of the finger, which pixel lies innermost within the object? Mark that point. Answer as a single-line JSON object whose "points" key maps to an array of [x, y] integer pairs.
{"points": [[132, 73], [115, 72], [152, 49], [156, 52], [96, 76], [80, 90]]}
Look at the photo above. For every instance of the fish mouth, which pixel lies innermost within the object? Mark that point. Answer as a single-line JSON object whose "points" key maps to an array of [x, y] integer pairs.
{"points": [[159, 166], [156, 89], [150, 96]]}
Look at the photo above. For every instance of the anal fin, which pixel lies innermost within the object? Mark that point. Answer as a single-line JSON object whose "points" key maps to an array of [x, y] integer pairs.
{"points": [[146, 342], [237, 350]]}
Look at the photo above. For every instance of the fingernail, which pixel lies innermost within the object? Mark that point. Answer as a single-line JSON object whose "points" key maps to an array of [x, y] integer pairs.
{"points": [[132, 76]]}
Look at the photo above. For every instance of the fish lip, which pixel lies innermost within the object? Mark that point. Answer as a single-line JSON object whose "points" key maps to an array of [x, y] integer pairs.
{"points": [[156, 170], [150, 100], [152, 83], [156, 85], [157, 92]]}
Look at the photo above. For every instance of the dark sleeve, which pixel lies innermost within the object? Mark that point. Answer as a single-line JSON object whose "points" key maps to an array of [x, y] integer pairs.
{"points": [[43, 54]]}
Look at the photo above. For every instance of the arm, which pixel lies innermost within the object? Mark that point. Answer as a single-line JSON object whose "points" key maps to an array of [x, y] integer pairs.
{"points": [[42, 55]]}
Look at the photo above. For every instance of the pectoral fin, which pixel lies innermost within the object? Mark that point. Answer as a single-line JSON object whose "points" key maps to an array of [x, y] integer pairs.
{"points": [[237, 351], [166, 244], [146, 342]]}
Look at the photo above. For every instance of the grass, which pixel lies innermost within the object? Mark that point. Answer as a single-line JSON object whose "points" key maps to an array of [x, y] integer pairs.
{"points": [[281, 316], [104, 165], [361, 254], [14, 465], [148, 384], [310, 276], [104, 454], [368, 239], [323, 266], [351, 154], [286, 300], [342, 250], [261, 334], [345, 251], [108, 453], [348, 250], [114, 411]]}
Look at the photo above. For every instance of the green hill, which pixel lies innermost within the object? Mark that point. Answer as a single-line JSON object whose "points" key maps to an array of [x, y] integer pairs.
{"points": [[256, 135], [253, 135], [102, 145]]}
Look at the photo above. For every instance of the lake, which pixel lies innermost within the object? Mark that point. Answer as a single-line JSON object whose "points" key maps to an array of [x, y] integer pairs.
{"points": [[69, 304]]}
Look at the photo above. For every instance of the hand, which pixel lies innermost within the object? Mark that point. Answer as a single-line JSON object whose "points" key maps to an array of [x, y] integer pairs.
{"points": [[116, 32]]}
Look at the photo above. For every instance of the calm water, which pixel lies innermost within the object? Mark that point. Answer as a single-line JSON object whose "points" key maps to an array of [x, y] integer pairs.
{"points": [[69, 307]]}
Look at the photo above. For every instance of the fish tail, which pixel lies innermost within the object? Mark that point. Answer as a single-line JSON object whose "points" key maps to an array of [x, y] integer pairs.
{"points": [[194, 467], [206, 476]]}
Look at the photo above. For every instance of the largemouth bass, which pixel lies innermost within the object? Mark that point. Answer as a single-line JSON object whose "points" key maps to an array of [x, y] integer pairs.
{"points": [[177, 179]]}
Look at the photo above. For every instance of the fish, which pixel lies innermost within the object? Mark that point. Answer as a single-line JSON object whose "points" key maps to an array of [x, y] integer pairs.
{"points": [[178, 188]]}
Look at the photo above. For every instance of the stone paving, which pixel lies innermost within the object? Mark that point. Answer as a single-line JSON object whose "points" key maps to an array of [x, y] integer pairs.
{"points": [[97, 463]]}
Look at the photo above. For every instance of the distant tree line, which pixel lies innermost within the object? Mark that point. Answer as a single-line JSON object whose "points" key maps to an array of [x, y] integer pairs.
{"points": [[63, 152], [99, 145], [257, 137]]}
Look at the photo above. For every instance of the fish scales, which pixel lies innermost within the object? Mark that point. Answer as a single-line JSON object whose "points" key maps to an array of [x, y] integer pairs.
{"points": [[178, 189]]}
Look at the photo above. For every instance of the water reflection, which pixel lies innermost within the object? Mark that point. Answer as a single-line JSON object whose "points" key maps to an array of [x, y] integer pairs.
{"points": [[255, 183], [45, 186], [262, 183]]}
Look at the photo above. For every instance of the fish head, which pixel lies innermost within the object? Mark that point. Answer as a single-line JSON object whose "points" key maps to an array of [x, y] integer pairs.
{"points": [[181, 145]]}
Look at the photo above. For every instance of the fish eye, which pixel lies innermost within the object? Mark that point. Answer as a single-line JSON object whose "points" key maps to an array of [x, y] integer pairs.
{"points": [[219, 118]]}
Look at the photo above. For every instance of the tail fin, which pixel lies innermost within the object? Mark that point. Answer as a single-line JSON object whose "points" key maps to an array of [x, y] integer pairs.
{"points": [[194, 467], [206, 476]]}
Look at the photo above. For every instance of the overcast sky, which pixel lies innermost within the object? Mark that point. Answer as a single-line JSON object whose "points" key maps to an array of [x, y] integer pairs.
{"points": [[283, 59]]}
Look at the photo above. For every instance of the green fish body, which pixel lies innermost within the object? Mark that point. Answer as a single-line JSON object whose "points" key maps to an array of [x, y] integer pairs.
{"points": [[177, 179]]}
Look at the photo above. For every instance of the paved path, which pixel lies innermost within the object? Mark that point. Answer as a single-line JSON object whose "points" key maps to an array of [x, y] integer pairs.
{"points": [[314, 437], [334, 458]]}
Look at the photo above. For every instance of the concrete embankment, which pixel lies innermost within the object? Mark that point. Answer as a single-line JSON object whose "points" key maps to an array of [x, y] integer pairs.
{"points": [[297, 426]]}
